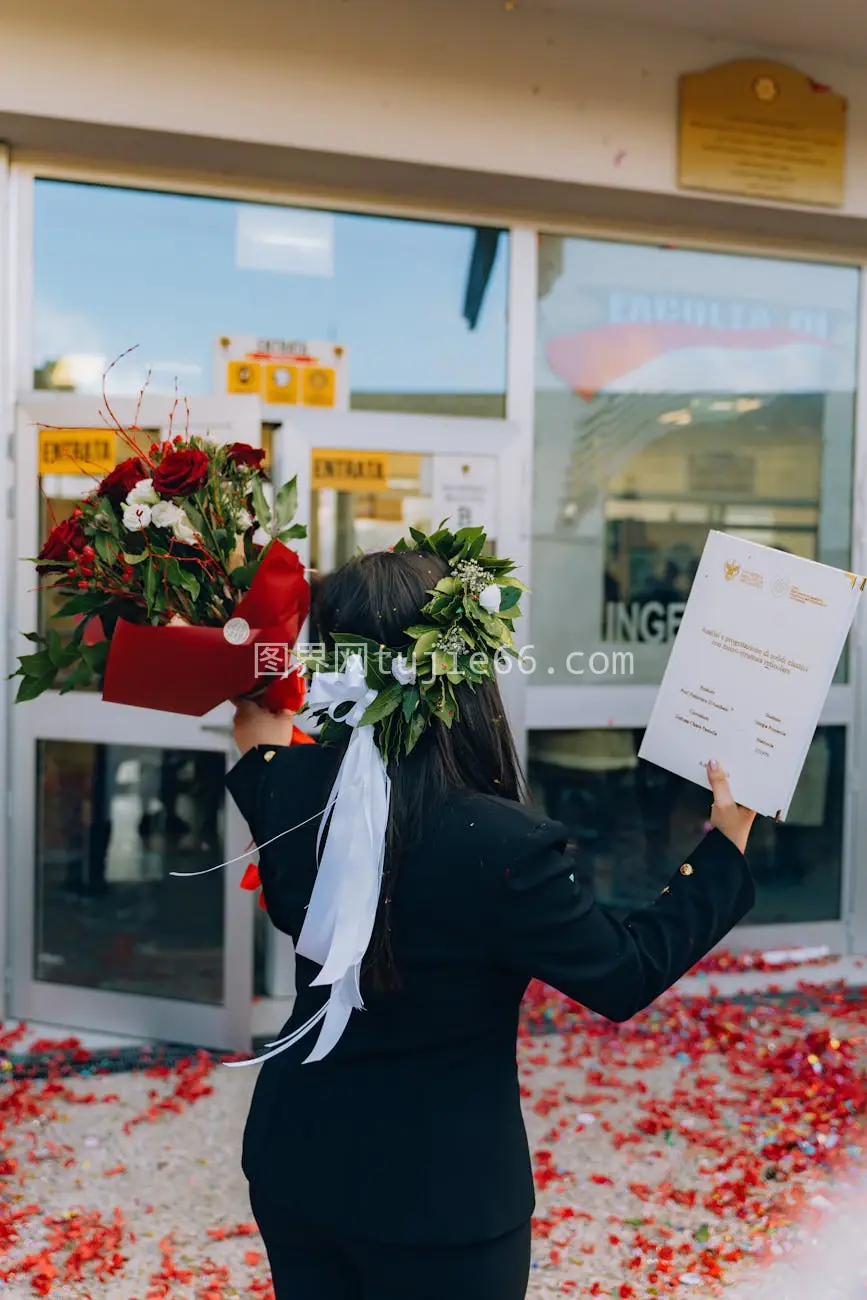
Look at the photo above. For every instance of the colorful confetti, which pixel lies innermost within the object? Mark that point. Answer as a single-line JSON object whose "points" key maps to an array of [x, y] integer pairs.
{"points": [[679, 1154]]}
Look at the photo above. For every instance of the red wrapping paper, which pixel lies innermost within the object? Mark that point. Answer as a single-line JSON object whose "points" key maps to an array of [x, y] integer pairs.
{"points": [[191, 670]]}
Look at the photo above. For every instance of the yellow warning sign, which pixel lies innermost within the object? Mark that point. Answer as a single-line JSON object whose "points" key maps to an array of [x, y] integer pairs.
{"points": [[281, 384], [319, 386], [348, 471], [77, 451], [244, 377]]}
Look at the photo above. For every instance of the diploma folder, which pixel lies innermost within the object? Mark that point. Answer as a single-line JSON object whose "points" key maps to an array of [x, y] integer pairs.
{"points": [[751, 666]]}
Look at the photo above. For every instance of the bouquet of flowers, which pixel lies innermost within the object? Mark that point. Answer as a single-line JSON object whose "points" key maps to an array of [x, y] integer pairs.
{"points": [[176, 570]]}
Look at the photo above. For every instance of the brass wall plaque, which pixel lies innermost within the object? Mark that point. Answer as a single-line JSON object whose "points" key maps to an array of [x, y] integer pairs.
{"points": [[762, 130]]}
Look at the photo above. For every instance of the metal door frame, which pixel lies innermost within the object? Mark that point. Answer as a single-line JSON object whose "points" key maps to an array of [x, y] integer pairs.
{"points": [[84, 716]]}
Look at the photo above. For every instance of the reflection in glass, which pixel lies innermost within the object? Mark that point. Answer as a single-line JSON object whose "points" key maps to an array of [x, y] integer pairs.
{"points": [[112, 823], [342, 523], [634, 822], [419, 306], [678, 392]]}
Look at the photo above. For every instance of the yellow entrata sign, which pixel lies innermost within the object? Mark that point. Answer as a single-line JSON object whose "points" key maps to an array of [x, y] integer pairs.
{"points": [[762, 130], [92, 452], [349, 471]]}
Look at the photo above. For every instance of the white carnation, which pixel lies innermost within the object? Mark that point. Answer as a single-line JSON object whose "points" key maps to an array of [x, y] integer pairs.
{"points": [[243, 520], [489, 598], [143, 494], [135, 518], [165, 514], [183, 530]]}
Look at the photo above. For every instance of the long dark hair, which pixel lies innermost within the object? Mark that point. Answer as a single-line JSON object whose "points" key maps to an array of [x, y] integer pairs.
{"points": [[378, 597]]}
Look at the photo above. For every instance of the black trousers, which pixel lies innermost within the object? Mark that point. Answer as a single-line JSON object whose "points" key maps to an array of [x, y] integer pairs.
{"points": [[311, 1264]]}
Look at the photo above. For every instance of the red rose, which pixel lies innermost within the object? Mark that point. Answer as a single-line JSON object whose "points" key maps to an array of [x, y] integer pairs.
{"points": [[245, 456], [64, 537], [181, 473], [120, 481]]}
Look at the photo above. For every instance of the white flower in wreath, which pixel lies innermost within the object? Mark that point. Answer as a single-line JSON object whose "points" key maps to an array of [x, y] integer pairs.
{"points": [[403, 670], [143, 494], [135, 518], [489, 598], [165, 514], [183, 530]]}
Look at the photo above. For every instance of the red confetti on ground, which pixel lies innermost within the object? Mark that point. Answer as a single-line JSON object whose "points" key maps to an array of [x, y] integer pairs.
{"points": [[768, 1105]]}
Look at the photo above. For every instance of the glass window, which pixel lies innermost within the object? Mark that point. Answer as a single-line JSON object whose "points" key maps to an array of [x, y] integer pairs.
{"points": [[112, 823], [678, 392], [420, 307], [634, 823], [342, 522]]}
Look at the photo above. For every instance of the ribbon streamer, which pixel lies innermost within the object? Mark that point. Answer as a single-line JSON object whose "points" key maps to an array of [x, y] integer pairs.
{"points": [[351, 851], [258, 847]]}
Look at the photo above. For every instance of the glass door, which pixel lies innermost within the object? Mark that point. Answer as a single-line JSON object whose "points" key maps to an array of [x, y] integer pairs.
{"points": [[108, 800], [363, 479], [679, 391]]}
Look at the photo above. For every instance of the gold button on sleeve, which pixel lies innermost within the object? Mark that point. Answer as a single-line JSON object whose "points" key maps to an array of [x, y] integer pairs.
{"points": [[686, 869], [269, 754]]}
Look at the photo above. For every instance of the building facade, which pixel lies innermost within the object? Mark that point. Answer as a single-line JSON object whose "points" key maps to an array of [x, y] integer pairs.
{"points": [[471, 212]]}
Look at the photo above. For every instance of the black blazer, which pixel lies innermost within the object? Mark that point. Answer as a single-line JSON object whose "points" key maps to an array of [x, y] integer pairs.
{"points": [[411, 1131]]}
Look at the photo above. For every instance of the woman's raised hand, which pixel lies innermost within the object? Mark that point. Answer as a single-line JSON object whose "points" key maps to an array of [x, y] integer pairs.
{"points": [[726, 816], [255, 726]]}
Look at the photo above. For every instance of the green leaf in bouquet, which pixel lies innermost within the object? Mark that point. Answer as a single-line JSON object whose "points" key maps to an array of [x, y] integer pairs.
{"points": [[417, 725], [151, 585], [293, 531], [95, 656], [348, 641], [442, 663], [79, 679], [261, 509], [195, 516], [243, 575], [285, 504], [388, 741], [445, 708], [60, 655], [86, 603], [190, 583], [132, 557], [105, 549], [509, 598], [36, 665], [384, 704], [411, 702], [32, 687], [426, 641], [494, 626]]}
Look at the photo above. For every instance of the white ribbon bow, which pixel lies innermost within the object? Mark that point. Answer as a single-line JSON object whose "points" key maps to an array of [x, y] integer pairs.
{"points": [[351, 852]]}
